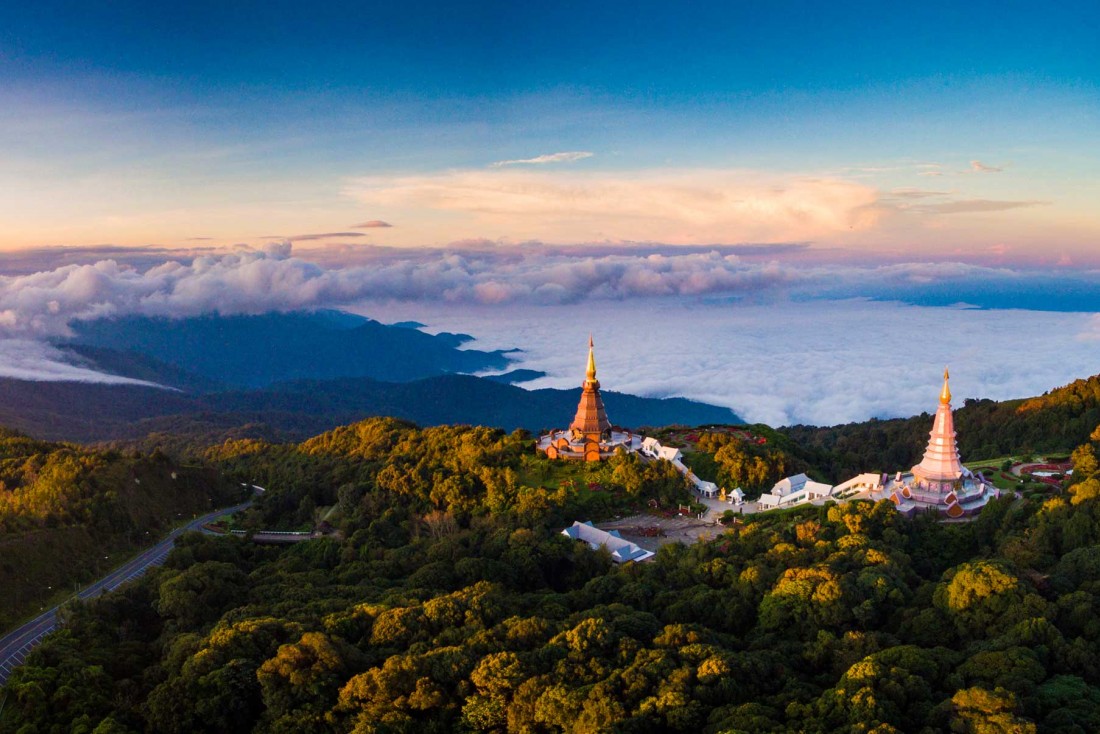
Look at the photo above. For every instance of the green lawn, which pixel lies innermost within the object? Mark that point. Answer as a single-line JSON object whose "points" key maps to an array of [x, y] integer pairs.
{"points": [[538, 471]]}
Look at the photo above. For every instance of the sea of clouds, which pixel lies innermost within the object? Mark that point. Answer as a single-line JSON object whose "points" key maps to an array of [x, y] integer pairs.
{"points": [[774, 338], [820, 362]]}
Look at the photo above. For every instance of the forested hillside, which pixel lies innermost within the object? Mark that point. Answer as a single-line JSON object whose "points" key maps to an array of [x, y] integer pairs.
{"points": [[452, 603], [465, 471], [67, 514]]}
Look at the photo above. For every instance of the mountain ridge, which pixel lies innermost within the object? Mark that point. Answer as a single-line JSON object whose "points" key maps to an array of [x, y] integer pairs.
{"points": [[253, 351], [294, 410]]}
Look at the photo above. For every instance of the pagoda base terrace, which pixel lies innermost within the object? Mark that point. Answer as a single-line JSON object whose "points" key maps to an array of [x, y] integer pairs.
{"points": [[564, 445], [966, 497]]}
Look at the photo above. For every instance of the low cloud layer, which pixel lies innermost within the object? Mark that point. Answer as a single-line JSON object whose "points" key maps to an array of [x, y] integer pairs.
{"points": [[26, 359], [772, 332], [817, 363]]}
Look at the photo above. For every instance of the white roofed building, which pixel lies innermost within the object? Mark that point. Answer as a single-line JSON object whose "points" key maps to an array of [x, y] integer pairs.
{"points": [[795, 490], [653, 448], [860, 484], [622, 550], [709, 490]]}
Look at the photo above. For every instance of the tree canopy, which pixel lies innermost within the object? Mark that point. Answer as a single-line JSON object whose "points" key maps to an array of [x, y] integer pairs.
{"points": [[449, 601]]}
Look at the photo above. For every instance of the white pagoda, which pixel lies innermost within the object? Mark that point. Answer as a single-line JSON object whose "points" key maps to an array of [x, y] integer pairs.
{"points": [[939, 482]]}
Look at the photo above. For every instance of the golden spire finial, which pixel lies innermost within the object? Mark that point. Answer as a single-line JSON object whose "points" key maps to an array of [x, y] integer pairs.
{"points": [[945, 396], [590, 374]]}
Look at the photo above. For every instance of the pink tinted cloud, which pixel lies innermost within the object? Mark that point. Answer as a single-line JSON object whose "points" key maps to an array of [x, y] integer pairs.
{"points": [[676, 206]]}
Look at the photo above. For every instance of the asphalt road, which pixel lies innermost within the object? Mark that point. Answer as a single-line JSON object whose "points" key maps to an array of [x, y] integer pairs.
{"points": [[15, 645]]}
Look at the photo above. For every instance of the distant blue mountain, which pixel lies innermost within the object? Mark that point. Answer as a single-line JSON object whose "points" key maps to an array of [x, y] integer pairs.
{"points": [[76, 411], [293, 375], [514, 377], [207, 352]]}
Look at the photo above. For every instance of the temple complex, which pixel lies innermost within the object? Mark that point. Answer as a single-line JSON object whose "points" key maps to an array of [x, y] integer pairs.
{"points": [[590, 437], [939, 482]]}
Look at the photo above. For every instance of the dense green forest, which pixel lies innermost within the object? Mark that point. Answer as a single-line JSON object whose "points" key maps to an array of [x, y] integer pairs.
{"points": [[731, 462], [452, 603], [67, 514]]}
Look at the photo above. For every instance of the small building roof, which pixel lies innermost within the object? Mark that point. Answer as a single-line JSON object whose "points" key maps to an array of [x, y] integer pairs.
{"points": [[788, 485], [621, 550]]}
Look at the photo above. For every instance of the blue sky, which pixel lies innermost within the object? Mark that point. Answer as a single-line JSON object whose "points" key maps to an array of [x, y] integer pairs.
{"points": [[931, 128], [454, 162], [440, 49]]}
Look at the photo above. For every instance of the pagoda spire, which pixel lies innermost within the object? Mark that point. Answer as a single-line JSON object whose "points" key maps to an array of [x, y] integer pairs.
{"points": [[591, 419], [941, 463], [590, 373]]}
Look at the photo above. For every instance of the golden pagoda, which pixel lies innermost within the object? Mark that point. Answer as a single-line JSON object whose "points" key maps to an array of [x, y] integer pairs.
{"points": [[590, 437], [591, 420]]}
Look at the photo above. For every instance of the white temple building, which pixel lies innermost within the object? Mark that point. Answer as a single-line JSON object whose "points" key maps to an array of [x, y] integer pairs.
{"points": [[859, 484], [940, 482], [652, 448], [792, 491]]}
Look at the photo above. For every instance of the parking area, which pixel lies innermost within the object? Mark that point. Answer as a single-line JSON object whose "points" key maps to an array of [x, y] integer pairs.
{"points": [[653, 531]]}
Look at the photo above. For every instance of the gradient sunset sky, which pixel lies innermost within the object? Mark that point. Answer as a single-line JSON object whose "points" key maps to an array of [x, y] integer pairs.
{"points": [[937, 130]]}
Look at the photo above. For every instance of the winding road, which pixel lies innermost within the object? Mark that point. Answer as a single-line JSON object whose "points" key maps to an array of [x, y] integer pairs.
{"points": [[15, 645]]}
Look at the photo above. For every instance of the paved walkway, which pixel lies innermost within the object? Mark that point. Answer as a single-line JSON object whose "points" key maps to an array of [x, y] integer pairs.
{"points": [[17, 644], [717, 507]]}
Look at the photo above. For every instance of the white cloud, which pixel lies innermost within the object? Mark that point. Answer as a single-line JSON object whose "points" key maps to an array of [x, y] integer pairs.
{"points": [[43, 303], [249, 281], [26, 359], [1090, 332], [566, 157]]}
